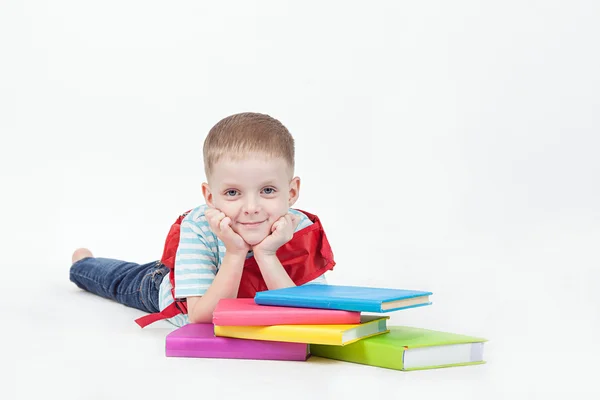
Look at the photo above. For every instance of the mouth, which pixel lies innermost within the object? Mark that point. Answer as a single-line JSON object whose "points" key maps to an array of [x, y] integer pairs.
{"points": [[251, 224]]}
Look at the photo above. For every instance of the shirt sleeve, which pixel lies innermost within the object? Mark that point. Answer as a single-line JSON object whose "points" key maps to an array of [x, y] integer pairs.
{"points": [[195, 261]]}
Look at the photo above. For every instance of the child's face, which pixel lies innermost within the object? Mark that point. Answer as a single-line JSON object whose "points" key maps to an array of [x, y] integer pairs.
{"points": [[254, 192]]}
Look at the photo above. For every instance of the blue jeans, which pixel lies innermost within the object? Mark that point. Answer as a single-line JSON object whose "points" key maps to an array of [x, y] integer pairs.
{"points": [[128, 283]]}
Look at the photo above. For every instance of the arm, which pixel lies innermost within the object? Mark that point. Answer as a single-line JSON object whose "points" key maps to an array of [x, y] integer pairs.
{"points": [[275, 275], [273, 272], [225, 285]]}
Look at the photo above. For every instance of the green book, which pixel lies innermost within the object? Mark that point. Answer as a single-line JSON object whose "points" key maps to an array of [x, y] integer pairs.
{"points": [[405, 348]]}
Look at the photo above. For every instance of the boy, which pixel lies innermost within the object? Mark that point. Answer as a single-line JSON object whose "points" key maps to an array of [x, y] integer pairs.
{"points": [[245, 239]]}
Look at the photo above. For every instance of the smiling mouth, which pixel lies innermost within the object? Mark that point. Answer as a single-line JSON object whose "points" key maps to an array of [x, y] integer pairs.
{"points": [[251, 223]]}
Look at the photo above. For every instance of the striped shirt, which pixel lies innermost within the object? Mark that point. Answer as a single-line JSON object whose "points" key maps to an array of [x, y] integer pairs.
{"points": [[198, 259]]}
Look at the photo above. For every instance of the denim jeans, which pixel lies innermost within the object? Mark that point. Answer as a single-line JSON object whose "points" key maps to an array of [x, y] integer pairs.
{"points": [[131, 284]]}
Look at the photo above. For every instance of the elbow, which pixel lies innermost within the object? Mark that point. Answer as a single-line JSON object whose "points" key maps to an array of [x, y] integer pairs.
{"points": [[199, 316], [199, 319], [198, 311]]}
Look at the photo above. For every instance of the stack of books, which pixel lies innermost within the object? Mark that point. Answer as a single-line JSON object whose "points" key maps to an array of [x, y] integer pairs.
{"points": [[347, 323]]}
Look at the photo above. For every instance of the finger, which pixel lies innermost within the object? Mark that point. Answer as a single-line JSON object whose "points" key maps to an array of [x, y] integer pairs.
{"points": [[225, 223], [219, 218], [295, 221], [227, 232], [278, 225], [209, 213], [216, 219], [292, 223], [212, 217], [275, 226]]}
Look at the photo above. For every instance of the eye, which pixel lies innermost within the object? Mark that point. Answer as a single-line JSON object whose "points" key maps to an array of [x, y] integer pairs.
{"points": [[231, 193], [269, 190]]}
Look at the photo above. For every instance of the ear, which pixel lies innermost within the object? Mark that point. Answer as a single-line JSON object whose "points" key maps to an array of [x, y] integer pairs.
{"points": [[208, 196], [294, 191]]}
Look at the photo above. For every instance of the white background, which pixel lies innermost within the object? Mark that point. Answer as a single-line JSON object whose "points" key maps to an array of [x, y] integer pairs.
{"points": [[446, 146]]}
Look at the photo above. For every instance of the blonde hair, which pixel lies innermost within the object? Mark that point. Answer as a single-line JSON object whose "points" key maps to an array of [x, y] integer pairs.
{"points": [[239, 134]]}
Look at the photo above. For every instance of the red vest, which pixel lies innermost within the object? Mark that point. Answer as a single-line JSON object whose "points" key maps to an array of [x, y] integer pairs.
{"points": [[305, 257]]}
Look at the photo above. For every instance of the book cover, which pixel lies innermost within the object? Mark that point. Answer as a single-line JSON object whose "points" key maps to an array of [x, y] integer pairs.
{"points": [[407, 348], [245, 312], [199, 341], [349, 298], [337, 335]]}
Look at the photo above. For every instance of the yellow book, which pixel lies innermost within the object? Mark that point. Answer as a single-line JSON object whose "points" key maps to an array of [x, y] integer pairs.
{"points": [[337, 335]]}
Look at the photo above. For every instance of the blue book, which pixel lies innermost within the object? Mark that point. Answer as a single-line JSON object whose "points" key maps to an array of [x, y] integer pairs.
{"points": [[349, 298]]}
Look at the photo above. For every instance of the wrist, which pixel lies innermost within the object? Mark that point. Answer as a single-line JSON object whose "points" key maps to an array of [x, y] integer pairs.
{"points": [[263, 256], [236, 256]]}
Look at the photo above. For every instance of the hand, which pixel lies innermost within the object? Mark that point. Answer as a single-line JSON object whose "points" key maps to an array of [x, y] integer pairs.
{"points": [[282, 232], [221, 226]]}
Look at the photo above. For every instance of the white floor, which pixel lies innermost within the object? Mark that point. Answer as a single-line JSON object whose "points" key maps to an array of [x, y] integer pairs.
{"points": [[61, 340]]}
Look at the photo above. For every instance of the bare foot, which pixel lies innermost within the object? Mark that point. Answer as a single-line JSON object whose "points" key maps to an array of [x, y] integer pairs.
{"points": [[80, 254]]}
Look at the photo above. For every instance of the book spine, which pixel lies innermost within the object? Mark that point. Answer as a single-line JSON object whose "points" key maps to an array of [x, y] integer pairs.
{"points": [[341, 318], [300, 354], [362, 306], [235, 348], [278, 333]]}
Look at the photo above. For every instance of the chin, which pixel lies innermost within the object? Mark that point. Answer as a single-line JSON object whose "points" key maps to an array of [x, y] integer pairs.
{"points": [[253, 240]]}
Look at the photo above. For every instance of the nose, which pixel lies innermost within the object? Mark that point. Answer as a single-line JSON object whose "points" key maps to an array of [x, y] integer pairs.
{"points": [[252, 206]]}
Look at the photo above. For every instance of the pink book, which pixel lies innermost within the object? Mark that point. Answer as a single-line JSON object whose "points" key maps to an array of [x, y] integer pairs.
{"points": [[199, 341], [245, 312]]}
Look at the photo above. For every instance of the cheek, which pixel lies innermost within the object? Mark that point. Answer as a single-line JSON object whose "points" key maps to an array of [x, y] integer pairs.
{"points": [[228, 207], [278, 209]]}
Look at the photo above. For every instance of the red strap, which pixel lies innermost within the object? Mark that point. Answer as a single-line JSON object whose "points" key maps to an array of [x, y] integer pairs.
{"points": [[168, 312]]}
